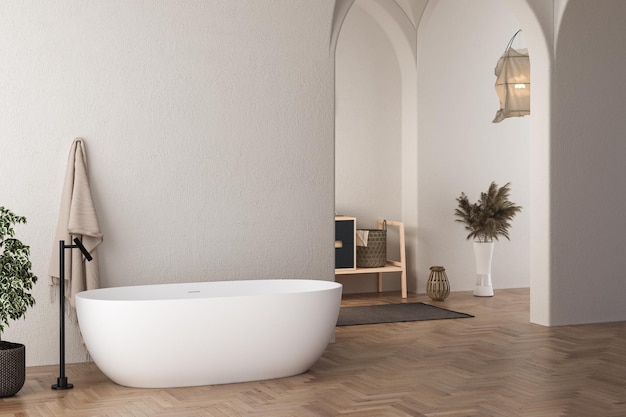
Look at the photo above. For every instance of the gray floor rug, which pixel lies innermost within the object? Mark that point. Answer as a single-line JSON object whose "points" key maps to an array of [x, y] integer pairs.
{"points": [[392, 313]]}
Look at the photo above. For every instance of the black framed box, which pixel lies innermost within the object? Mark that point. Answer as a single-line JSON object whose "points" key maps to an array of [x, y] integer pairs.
{"points": [[345, 242]]}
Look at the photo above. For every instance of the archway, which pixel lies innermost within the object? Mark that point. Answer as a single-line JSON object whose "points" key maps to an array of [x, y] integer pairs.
{"points": [[532, 17], [396, 148]]}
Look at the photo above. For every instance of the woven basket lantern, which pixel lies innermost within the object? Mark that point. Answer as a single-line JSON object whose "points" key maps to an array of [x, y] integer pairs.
{"points": [[438, 286]]}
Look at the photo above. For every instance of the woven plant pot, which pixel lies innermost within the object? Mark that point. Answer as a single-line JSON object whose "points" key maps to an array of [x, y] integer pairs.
{"points": [[12, 368]]}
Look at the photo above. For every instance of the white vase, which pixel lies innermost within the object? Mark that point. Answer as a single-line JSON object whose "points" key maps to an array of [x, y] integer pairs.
{"points": [[483, 254]]}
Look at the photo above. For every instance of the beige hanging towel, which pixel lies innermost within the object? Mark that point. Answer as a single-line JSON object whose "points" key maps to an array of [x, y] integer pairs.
{"points": [[77, 218]]}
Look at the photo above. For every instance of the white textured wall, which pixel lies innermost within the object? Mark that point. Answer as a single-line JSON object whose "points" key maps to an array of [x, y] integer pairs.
{"points": [[459, 148], [588, 281], [209, 130]]}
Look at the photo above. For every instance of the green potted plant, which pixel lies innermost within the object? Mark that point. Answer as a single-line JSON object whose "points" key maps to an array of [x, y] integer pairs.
{"points": [[487, 219], [16, 279]]}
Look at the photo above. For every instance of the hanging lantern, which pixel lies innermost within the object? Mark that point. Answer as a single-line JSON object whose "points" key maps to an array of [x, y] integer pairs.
{"points": [[513, 82]]}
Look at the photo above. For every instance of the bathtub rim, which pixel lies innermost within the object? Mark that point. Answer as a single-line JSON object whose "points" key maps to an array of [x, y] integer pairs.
{"points": [[125, 293]]}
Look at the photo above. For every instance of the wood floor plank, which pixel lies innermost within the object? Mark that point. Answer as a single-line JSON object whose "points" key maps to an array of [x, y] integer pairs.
{"points": [[495, 364]]}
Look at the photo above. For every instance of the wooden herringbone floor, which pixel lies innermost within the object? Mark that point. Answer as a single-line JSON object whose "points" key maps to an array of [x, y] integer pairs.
{"points": [[496, 364]]}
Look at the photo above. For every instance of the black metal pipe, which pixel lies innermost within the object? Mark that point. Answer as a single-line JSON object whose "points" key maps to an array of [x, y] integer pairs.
{"points": [[62, 379], [84, 250]]}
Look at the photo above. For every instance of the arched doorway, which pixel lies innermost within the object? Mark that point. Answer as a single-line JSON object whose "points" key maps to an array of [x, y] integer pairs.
{"points": [[375, 123], [418, 13]]}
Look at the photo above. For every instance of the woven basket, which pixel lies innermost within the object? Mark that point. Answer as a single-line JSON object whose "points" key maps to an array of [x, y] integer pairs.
{"points": [[373, 255], [12, 368], [438, 286]]}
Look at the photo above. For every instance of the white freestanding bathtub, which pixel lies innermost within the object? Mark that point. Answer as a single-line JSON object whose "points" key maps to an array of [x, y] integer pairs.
{"points": [[176, 335]]}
